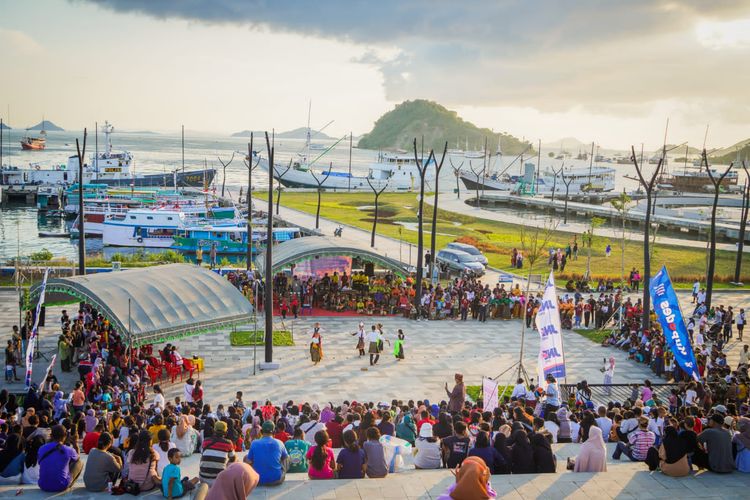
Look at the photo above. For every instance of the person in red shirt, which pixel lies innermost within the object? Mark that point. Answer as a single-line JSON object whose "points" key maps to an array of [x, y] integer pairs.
{"points": [[425, 419], [281, 433], [335, 429], [91, 439]]}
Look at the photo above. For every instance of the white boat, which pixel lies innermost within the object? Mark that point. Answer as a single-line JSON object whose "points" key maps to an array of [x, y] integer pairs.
{"points": [[399, 171], [473, 154], [584, 180], [143, 228]]}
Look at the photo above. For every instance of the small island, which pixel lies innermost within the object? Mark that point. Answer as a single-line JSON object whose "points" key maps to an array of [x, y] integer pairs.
{"points": [[297, 133], [46, 125]]}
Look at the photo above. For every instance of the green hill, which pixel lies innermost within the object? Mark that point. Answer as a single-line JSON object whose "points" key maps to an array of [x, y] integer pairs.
{"points": [[397, 129], [725, 156]]}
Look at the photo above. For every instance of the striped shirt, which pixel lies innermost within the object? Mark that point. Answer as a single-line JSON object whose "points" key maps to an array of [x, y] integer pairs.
{"points": [[217, 452], [640, 442]]}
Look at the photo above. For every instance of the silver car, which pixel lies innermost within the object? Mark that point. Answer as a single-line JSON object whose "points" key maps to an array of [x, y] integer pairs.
{"points": [[470, 249], [459, 262]]}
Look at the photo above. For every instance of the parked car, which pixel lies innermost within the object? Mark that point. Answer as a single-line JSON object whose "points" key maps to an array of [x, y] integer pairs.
{"points": [[470, 249], [456, 261]]}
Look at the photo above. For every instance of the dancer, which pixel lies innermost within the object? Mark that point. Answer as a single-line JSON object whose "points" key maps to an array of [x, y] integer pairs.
{"points": [[361, 338], [609, 372], [316, 345], [374, 341], [398, 346]]}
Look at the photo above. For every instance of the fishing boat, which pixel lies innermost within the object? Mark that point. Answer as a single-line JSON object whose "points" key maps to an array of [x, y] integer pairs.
{"points": [[29, 143], [229, 239]]}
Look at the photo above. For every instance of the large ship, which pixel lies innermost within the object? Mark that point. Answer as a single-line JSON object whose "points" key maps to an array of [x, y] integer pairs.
{"points": [[692, 180], [113, 168]]}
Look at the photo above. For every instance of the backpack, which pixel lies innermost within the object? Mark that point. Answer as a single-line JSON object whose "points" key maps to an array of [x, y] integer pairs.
{"points": [[296, 457]]}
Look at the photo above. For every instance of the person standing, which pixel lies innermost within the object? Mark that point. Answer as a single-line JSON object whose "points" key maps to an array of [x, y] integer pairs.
{"points": [[360, 334], [398, 346], [696, 289], [727, 321], [212, 255], [740, 324], [374, 340], [199, 254], [552, 402], [457, 396], [609, 373], [316, 345], [608, 250]]}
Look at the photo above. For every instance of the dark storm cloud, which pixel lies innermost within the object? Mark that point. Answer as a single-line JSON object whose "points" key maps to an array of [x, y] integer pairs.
{"points": [[552, 55]]}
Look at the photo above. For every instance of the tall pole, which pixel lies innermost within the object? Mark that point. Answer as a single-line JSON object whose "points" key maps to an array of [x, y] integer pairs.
{"points": [[1, 142], [350, 161], [130, 338], [743, 224], [183, 149], [538, 166], [81, 217], [591, 161], [268, 301], [250, 203]]}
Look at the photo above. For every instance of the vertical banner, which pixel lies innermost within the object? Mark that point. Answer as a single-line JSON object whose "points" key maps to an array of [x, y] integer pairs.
{"points": [[48, 372], [32, 337], [489, 394], [551, 356], [673, 328]]}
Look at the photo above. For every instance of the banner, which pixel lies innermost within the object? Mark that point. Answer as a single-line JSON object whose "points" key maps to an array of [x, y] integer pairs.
{"points": [[551, 356], [668, 311], [489, 394], [32, 337], [48, 372]]}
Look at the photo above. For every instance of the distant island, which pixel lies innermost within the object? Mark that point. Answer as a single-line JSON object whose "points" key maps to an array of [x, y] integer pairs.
{"points": [[397, 129], [297, 133], [141, 132], [566, 143], [46, 125], [6, 127], [681, 149]]}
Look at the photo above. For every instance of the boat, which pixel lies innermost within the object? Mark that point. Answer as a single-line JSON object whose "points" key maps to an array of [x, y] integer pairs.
{"points": [[398, 170], [698, 180], [584, 180], [113, 168], [231, 240], [318, 147], [29, 143], [473, 154], [52, 234]]}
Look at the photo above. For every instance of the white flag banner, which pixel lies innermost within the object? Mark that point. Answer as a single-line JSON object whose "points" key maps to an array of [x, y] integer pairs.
{"points": [[489, 394], [30, 348], [551, 356]]}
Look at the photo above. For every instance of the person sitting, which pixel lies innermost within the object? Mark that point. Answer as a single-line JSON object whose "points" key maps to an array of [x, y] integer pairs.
{"points": [[427, 449], [715, 447], [671, 457], [184, 436], [320, 457], [489, 454], [352, 461], [544, 458], [237, 482], [593, 454], [30, 474], [296, 449], [142, 463], [741, 441], [11, 459], [102, 468], [639, 442], [59, 464], [173, 485], [376, 464], [472, 482], [218, 451], [268, 457]]}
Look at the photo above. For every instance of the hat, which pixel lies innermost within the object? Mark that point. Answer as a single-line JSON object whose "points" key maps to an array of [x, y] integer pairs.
{"points": [[728, 421], [426, 430], [220, 426], [267, 427], [717, 419], [720, 409]]}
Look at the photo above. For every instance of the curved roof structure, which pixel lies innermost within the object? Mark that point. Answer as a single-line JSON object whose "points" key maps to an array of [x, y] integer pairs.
{"points": [[302, 249], [156, 304]]}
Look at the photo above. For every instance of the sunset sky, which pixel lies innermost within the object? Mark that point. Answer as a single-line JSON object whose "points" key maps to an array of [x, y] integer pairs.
{"points": [[608, 71]]}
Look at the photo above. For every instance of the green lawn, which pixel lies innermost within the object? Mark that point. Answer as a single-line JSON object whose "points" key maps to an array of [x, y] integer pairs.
{"points": [[597, 336], [475, 391], [497, 239], [248, 338]]}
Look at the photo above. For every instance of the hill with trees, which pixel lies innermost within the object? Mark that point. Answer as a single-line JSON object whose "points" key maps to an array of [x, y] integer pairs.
{"points": [[46, 125], [397, 129]]}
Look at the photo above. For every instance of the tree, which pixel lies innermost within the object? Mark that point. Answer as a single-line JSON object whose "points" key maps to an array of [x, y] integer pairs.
{"points": [[555, 173], [457, 173], [478, 175], [81, 223], [438, 167], [621, 205], [268, 297], [375, 218], [279, 176], [422, 169], [224, 172], [567, 189], [743, 223], [712, 251], [319, 190], [250, 167], [593, 224], [534, 241], [648, 187]]}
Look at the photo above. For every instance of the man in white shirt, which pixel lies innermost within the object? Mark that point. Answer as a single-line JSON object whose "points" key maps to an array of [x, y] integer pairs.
{"points": [[604, 423], [696, 289], [700, 297], [311, 428], [519, 391], [374, 341]]}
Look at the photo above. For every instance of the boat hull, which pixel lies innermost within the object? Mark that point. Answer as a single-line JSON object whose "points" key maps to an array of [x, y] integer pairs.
{"points": [[193, 178], [116, 235], [32, 147]]}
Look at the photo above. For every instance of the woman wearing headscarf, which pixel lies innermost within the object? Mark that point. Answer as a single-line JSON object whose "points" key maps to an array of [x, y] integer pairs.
{"points": [[60, 405], [544, 458], [501, 445], [236, 482], [563, 435], [593, 454], [741, 441], [406, 429], [472, 482], [90, 420], [673, 459], [327, 414], [12, 457], [522, 454]]}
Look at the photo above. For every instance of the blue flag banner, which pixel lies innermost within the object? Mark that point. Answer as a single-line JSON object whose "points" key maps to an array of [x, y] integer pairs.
{"points": [[668, 311]]}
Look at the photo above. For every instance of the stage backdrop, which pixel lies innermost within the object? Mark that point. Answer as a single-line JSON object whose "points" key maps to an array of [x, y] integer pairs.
{"points": [[319, 267]]}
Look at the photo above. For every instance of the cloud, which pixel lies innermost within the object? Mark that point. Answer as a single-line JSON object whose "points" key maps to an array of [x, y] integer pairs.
{"points": [[603, 56], [19, 42]]}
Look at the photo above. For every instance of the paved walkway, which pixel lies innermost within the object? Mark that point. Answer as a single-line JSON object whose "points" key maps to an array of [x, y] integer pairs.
{"points": [[623, 480]]}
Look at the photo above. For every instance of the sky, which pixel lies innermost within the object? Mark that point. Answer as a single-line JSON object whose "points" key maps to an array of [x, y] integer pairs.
{"points": [[608, 71]]}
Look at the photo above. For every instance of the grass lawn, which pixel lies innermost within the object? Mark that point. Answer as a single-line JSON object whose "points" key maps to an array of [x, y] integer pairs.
{"points": [[497, 239], [247, 338], [475, 391], [597, 336]]}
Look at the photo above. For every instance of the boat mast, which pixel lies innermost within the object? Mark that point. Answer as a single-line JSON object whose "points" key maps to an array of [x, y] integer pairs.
{"points": [[349, 188], [1, 142], [307, 136], [684, 167], [591, 161], [538, 163], [183, 149]]}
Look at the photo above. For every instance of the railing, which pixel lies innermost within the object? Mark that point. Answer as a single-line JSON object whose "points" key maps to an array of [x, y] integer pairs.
{"points": [[603, 394]]}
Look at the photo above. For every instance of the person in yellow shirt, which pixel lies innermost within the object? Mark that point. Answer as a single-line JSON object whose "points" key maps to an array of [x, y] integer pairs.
{"points": [[199, 255], [156, 426]]}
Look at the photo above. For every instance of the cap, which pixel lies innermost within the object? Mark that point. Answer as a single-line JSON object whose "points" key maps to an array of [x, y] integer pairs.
{"points": [[425, 431], [728, 421], [720, 408], [717, 419], [220, 426], [268, 427]]}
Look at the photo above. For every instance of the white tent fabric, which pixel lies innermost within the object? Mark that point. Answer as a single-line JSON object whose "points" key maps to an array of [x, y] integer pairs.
{"points": [[165, 302]]}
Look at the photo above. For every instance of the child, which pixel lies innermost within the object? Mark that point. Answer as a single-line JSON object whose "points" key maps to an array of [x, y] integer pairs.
{"points": [[351, 462], [297, 449], [238, 403], [281, 433], [320, 458], [172, 485], [376, 465]]}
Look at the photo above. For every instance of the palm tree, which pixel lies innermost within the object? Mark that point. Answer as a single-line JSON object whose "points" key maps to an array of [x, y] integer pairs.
{"points": [[712, 250]]}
